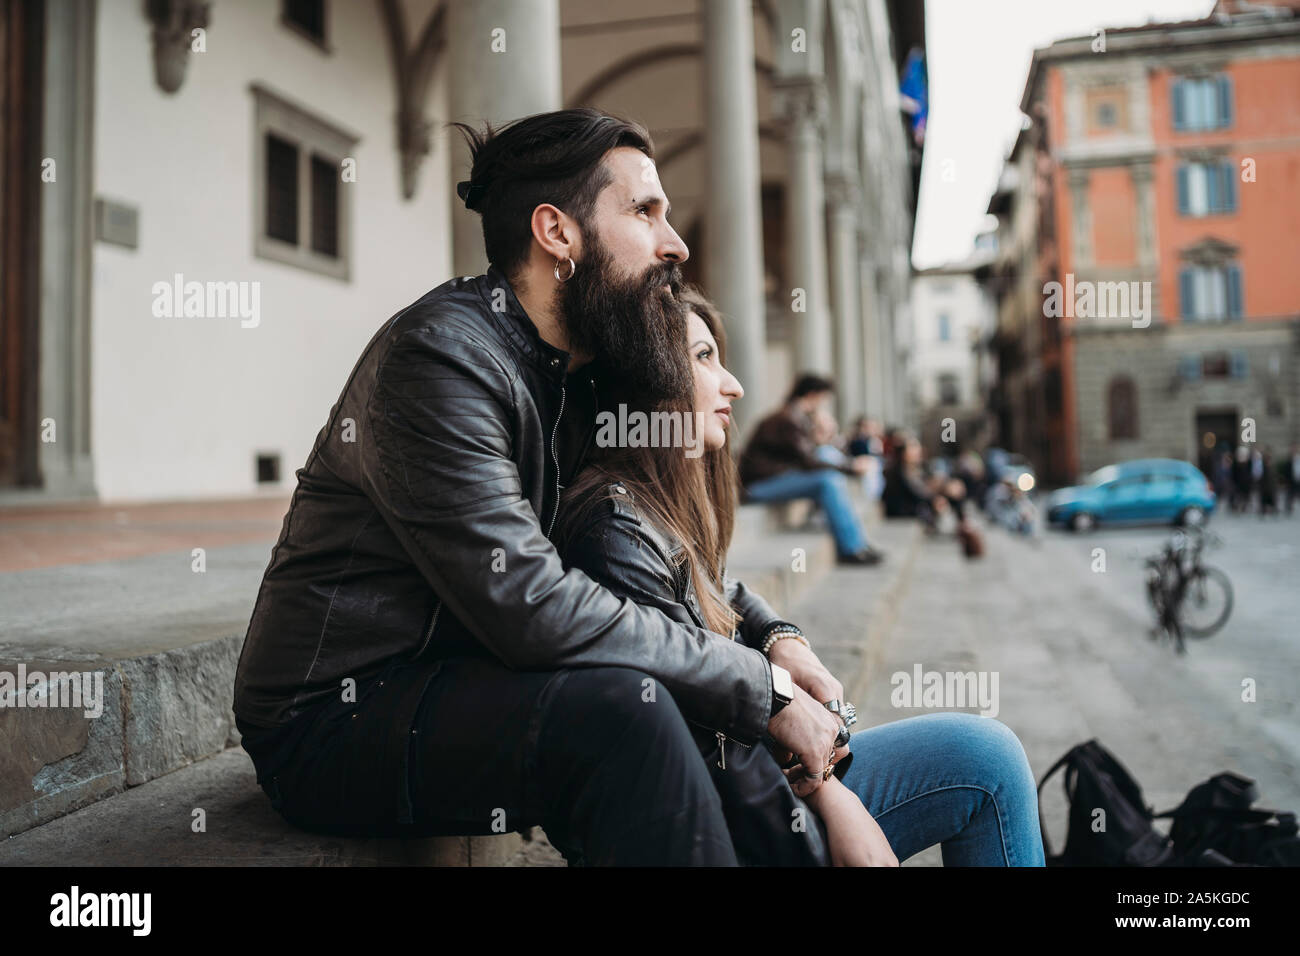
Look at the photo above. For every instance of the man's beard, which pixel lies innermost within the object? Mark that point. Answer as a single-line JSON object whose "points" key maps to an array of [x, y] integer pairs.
{"points": [[634, 328]]}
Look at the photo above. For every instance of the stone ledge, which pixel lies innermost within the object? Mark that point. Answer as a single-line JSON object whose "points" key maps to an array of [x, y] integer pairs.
{"points": [[161, 711], [155, 825]]}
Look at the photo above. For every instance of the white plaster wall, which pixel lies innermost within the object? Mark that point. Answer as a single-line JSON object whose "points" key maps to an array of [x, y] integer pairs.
{"points": [[181, 406]]}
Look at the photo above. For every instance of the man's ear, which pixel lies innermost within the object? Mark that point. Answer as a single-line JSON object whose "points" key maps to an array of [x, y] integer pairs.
{"points": [[555, 232]]}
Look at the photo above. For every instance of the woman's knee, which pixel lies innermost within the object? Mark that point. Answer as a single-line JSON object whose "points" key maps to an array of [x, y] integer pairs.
{"points": [[968, 747], [993, 747]]}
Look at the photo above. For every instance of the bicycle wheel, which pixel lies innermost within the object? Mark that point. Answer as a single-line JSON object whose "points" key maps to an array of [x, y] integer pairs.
{"points": [[1207, 602]]}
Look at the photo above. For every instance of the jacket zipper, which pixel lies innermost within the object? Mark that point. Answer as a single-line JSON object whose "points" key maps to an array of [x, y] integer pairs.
{"points": [[429, 633], [556, 460]]}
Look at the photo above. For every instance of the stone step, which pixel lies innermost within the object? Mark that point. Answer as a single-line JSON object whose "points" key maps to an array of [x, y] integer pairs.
{"points": [[164, 639], [212, 813]]}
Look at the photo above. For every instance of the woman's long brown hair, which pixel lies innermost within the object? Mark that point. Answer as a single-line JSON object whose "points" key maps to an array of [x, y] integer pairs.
{"points": [[692, 499]]}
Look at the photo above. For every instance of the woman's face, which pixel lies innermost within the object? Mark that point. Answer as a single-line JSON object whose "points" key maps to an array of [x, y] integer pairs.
{"points": [[715, 387]]}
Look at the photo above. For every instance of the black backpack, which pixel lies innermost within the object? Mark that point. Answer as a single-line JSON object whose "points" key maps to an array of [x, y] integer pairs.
{"points": [[1213, 826], [1095, 780], [1215, 820]]}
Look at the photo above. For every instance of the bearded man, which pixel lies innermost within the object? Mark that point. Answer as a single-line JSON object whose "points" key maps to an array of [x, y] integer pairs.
{"points": [[418, 661]]}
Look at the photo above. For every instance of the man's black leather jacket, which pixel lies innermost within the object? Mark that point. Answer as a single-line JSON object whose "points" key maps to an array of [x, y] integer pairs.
{"points": [[420, 526]]}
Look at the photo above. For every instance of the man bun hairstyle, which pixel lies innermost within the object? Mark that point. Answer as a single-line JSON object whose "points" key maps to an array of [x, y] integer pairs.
{"points": [[544, 158], [807, 384]]}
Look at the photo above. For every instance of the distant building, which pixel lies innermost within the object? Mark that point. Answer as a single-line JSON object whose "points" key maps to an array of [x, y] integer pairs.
{"points": [[1147, 281], [952, 319]]}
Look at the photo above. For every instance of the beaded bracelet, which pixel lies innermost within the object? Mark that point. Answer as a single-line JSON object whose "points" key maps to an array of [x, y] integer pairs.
{"points": [[785, 630]]}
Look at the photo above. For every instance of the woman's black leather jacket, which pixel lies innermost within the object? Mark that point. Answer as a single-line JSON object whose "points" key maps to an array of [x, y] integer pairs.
{"points": [[623, 549]]}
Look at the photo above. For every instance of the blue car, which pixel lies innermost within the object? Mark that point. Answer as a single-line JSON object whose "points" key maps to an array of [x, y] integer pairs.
{"points": [[1151, 491]]}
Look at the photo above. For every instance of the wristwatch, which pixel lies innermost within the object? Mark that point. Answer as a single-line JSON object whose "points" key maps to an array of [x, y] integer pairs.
{"points": [[782, 688]]}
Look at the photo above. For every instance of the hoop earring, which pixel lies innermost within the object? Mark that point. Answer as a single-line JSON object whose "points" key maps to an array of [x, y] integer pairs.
{"points": [[573, 267]]}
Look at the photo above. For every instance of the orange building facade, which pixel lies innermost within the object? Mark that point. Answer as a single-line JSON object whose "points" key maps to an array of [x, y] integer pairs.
{"points": [[1166, 193]]}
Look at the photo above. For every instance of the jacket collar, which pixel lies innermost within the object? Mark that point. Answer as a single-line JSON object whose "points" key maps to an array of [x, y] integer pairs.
{"points": [[519, 328]]}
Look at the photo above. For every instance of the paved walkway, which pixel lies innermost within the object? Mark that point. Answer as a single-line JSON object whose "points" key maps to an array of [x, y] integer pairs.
{"points": [[45, 537], [1074, 662]]}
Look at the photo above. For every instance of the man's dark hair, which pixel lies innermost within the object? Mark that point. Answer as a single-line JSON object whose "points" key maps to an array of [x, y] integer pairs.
{"points": [[807, 384], [545, 158]]}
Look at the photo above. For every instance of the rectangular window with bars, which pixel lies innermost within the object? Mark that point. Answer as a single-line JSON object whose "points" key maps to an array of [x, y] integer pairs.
{"points": [[1207, 188], [301, 200], [1210, 293], [307, 17], [1202, 102]]}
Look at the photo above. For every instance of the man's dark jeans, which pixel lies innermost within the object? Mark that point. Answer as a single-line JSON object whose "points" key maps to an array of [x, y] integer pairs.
{"points": [[613, 779]]}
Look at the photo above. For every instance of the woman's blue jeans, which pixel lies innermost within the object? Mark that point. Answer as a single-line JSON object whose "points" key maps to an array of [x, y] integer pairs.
{"points": [[959, 780]]}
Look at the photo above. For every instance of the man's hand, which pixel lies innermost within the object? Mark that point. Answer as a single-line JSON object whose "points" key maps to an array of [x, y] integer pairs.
{"points": [[806, 670], [807, 730]]}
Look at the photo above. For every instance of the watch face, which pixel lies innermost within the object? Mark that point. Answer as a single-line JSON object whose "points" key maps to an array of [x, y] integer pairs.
{"points": [[781, 682]]}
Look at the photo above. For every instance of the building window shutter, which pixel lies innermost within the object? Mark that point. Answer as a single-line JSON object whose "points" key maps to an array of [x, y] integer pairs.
{"points": [[1234, 292], [1180, 104], [1182, 190], [1189, 368], [1229, 170], [1238, 364], [1186, 296], [1225, 101]]}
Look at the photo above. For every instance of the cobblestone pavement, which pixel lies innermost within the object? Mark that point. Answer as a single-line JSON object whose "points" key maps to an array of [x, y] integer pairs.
{"points": [[1074, 660]]}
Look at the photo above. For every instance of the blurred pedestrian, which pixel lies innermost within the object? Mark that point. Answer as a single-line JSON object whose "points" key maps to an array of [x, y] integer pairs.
{"points": [[912, 493], [780, 463], [1289, 469], [1267, 484], [1241, 480]]}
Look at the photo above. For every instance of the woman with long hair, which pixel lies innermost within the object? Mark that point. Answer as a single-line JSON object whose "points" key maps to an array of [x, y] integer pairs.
{"points": [[653, 520]]}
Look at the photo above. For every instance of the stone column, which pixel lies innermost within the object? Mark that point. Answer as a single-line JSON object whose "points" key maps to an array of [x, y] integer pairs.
{"points": [[885, 342], [66, 250], [803, 106], [872, 373], [1147, 253], [505, 64], [842, 207], [733, 248], [1081, 218]]}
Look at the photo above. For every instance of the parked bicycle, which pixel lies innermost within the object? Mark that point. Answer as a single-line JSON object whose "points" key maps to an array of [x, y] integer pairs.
{"points": [[1190, 599]]}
